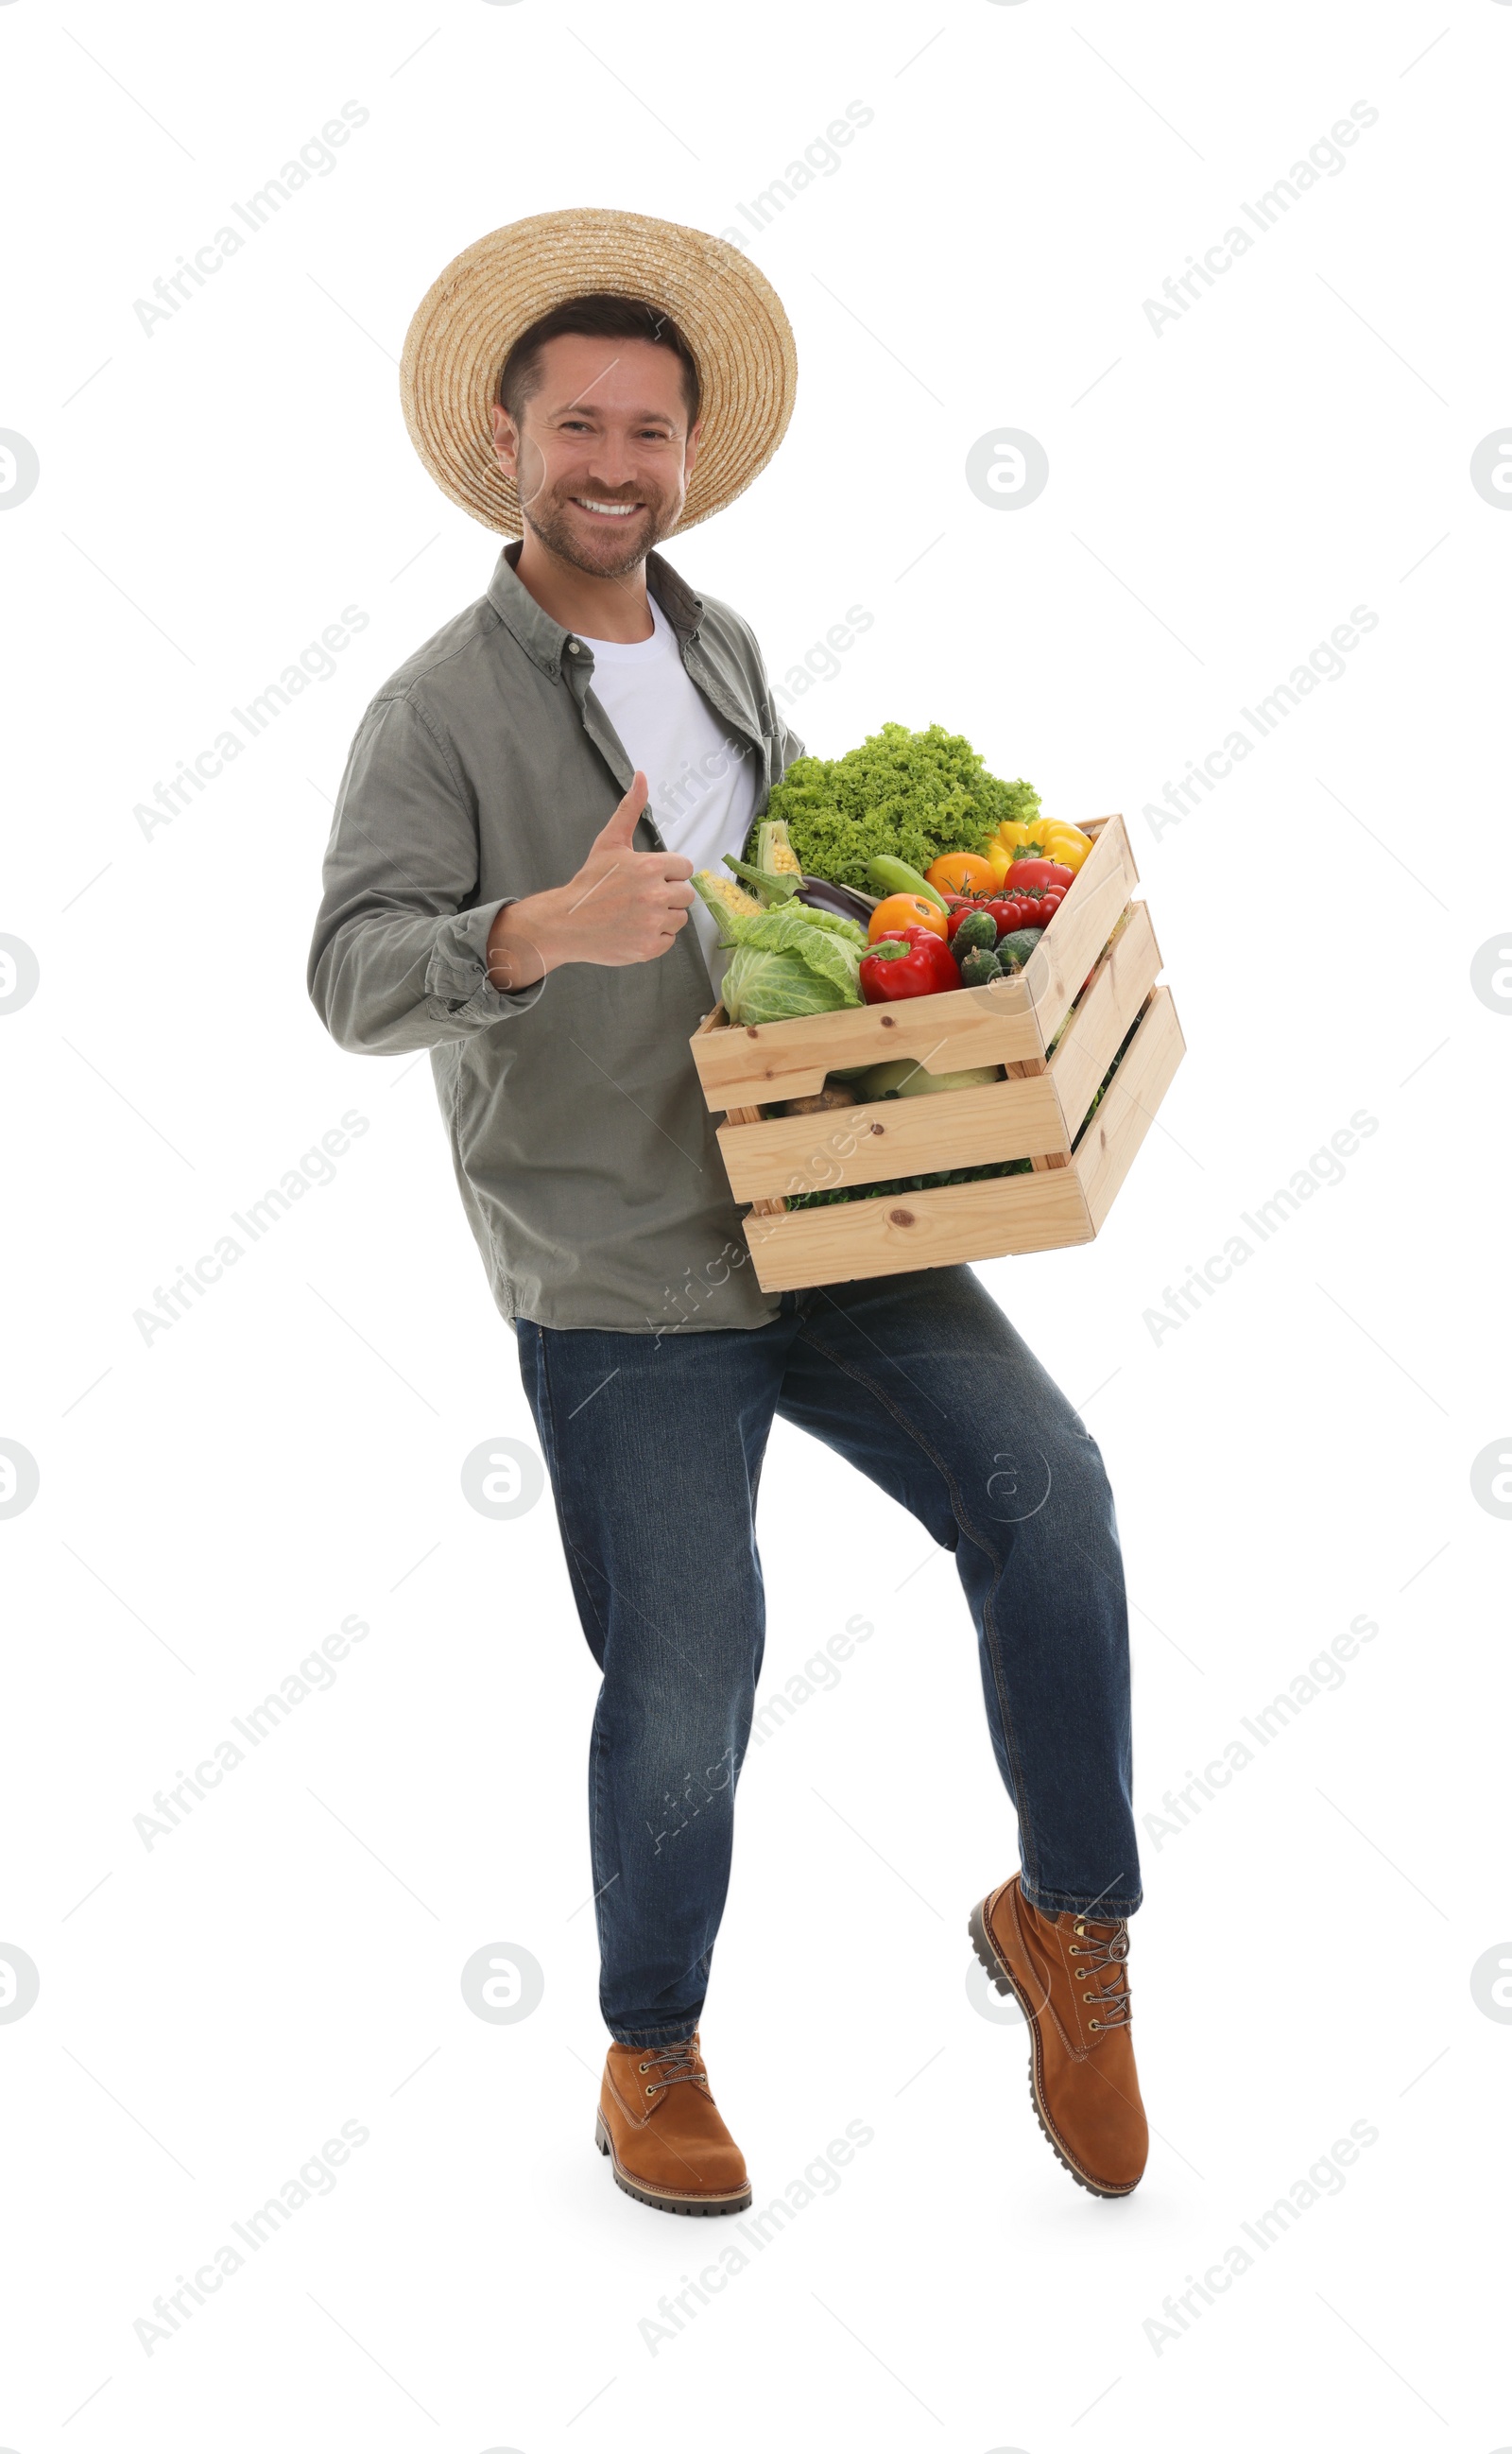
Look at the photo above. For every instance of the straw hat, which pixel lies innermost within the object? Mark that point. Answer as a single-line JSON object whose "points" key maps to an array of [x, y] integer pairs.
{"points": [[470, 318]]}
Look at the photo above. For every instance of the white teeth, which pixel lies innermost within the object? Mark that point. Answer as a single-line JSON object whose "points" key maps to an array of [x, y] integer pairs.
{"points": [[616, 511]]}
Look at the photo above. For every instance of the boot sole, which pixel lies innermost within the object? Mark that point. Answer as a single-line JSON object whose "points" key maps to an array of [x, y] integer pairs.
{"points": [[1003, 1978], [733, 2205]]}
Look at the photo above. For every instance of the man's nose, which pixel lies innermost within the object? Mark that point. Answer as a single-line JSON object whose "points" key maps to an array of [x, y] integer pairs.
{"points": [[611, 461]]}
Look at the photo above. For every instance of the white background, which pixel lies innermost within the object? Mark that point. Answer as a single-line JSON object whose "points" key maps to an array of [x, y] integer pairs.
{"points": [[213, 1503]]}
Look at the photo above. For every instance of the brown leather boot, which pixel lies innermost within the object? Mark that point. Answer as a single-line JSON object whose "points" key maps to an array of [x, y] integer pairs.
{"points": [[660, 2126], [1070, 1975]]}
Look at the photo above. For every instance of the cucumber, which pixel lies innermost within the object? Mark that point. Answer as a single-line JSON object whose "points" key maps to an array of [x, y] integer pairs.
{"points": [[894, 876], [977, 929], [979, 968], [1015, 948]]}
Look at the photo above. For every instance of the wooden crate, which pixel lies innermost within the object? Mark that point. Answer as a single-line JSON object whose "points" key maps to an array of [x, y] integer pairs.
{"points": [[1052, 1076]]}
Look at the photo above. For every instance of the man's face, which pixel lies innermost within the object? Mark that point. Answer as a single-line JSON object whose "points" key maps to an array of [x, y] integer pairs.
{"points": [[603, 452]]}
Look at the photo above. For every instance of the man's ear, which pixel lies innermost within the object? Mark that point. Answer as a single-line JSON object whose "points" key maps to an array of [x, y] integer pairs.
{"points": [[505, 440], [690, 448]]}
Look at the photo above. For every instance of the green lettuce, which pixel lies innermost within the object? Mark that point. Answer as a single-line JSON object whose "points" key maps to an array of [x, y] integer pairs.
{"points": [[913, 795]]}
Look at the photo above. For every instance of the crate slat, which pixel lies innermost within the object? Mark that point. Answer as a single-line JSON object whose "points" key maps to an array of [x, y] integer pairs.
{"points": [[887, 1138], [1082, 928], [1128, 1106], [919, 1230], [1125, 976], [742, 1068]]}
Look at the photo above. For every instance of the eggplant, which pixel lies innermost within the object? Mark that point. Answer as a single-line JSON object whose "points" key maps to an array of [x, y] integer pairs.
{"points": [[842, 900]]}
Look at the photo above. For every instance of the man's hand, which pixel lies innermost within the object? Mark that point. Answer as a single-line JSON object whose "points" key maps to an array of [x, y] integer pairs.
{"points": [[624, 906]]}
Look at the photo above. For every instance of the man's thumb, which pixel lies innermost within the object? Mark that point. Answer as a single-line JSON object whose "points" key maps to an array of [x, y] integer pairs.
{"points": [[620, 827]]}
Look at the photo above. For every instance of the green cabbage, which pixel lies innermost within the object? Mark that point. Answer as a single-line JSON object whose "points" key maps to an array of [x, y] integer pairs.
{"points": [[787, 961], [913, 795]]}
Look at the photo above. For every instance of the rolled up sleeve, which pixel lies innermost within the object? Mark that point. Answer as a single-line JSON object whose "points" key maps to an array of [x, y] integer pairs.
{"points": [[398, 960]]}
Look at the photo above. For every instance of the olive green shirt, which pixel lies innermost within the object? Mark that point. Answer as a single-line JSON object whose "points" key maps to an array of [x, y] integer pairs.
{"points": [[584, 1150]]}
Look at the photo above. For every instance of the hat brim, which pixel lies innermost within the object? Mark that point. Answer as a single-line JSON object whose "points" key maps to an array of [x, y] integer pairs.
{"points": [[470, 318]]}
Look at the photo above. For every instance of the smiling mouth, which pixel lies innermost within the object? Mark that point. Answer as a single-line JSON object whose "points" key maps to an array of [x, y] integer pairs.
{"points": [[607, 511]]}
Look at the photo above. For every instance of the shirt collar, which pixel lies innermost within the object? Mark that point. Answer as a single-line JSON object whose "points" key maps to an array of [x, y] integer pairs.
{"points": [[544, 639]]}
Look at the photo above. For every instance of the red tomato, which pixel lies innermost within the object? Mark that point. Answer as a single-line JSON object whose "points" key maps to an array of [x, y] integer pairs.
{"points": [[1039, 873]]}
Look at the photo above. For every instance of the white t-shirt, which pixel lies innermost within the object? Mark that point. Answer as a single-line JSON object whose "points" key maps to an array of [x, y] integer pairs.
{"points": [[700, 778]]}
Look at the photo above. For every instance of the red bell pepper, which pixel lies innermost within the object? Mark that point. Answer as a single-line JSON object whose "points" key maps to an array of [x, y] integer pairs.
{"points": [[907, 963]]}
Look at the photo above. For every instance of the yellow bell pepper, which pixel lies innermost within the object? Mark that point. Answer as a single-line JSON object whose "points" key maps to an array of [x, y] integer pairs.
{"points": [[1049, 839], [1017, 833], [1001, 858]]}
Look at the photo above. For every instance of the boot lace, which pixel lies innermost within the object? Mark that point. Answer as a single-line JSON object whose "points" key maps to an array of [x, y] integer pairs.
{"points": [[1107, 1956], [672, 2063]]}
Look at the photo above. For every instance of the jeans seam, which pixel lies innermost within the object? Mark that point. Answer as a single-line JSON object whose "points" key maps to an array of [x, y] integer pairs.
{"points": [[595, 1749], [1010, 1735]]}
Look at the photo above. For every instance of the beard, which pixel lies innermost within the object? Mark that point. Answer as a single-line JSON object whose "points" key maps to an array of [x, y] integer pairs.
{"points": [[603, 553]]}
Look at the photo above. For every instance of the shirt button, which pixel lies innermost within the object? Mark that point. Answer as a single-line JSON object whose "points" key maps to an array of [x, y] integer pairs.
{"points": [[573, 647]]}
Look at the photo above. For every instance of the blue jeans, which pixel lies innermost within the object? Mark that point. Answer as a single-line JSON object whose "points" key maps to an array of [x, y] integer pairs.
{"points": [[654, 1446]]}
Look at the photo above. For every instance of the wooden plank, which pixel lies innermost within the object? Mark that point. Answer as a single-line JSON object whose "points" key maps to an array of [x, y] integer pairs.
{"points": [[746, 1067], [1125, 976], [1026, 1070], [919, 1230], [885, 1138], [1069, 947], [1128, 1106]]}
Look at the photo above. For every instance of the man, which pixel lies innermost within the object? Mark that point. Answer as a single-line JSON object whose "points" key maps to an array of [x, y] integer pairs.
{"points": [[502, 888]]}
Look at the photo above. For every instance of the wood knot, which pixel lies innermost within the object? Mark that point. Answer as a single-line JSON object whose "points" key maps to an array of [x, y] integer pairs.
{"points": [[901, 1217], [889, 1021], [875, 1128], [750, 1031]]}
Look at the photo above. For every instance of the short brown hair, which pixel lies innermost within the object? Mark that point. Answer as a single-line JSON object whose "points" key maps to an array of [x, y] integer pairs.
{"points": [[600, 315]]}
